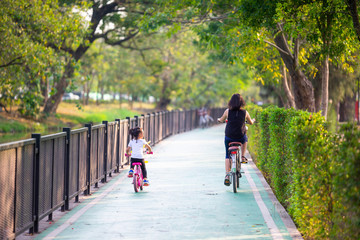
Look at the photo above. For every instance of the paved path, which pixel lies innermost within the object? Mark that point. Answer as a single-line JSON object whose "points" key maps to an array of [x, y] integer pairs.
{"points": [[186, 200]]}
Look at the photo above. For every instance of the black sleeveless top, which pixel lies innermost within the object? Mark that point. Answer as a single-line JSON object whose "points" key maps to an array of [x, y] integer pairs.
{"points": [[235, 127]]}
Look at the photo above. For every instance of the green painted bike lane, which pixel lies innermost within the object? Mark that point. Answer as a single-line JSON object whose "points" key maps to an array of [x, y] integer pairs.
{"points": [[186, 199]]}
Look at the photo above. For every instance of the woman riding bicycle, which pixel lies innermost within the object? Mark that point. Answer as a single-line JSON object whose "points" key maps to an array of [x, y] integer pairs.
{"points": [[235, 130], [136, 147]]}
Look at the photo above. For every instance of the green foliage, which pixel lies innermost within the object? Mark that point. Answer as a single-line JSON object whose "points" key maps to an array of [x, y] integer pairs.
{"points": [[254, 132], [346, 187], [174, 69], [32, 33], [313, 172], [312, 148], [278, 152]]}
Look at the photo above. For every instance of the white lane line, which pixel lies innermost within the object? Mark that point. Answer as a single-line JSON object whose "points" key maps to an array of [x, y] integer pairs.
{"points": [[73, 218], [285, 217], [274, 231]]}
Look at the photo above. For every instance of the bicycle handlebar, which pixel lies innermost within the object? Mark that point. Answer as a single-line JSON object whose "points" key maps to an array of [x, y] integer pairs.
{"points": [[129, 155]]}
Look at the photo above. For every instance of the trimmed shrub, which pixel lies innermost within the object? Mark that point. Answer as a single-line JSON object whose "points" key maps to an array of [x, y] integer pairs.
{"points": [[346, 185], [312, 149], [314, 172], [254, 132], [279, 152]]}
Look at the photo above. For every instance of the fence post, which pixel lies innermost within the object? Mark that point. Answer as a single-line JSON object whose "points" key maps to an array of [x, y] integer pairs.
{"points": [[118, 146], [158, 127], [153, 129], [67, 169], [36, 183], [186, 120], [88, 157], [136, 121], [143, 117], [129, 122], [105, 150], [149, 127]]}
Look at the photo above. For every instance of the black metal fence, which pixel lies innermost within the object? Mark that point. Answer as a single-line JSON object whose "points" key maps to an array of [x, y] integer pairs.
{"points": [[44, 173]]}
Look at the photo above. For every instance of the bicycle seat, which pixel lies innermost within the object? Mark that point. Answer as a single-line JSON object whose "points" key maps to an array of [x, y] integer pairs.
{"points": [[137, 163], [234, 148], [235, 144]]}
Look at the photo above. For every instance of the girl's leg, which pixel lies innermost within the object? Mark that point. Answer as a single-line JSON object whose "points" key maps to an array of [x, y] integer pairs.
{"points": [[143, 169], [131, 164]]}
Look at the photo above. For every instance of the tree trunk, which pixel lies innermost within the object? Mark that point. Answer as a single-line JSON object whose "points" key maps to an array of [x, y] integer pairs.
{"points": [[317, 90], [303, 89], [87, 96], [85, 91], [289, 95], [45, 89], [54, 101], [325, 87], [352, 8], [60, 86], [165, 95], [98, 13], [346, 109], [97, 94], [120, 98]]}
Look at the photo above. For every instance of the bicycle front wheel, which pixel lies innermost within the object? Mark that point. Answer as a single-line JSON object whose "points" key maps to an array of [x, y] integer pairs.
{"points": [[234, 181]]}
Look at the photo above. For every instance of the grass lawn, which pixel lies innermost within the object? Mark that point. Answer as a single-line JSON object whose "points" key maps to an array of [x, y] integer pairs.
{"points": [[14, 128], [69, 113]]}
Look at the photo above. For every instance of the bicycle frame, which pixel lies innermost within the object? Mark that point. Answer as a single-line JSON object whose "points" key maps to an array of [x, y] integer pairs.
{"points": [[235, 163], [138, 179]]}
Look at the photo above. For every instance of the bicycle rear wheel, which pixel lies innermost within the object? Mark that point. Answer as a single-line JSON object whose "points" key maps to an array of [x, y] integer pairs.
{"points": [[234, 181], [238, 170], [136, 182]]}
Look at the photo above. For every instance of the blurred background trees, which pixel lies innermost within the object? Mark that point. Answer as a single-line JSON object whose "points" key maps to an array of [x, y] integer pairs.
{"points": [[179, 53]]}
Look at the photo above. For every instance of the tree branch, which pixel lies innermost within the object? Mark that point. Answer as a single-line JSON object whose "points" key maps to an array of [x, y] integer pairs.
{"points": [[352, 8], [3, 106], [119, 42], [281, 50], [12, 62]]}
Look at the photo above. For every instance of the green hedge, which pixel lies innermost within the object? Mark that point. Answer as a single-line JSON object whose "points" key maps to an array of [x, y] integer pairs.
{"points": [[314, 173]]}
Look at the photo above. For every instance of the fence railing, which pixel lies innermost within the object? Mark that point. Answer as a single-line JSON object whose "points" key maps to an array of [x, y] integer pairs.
{"points": [[42, 174]]}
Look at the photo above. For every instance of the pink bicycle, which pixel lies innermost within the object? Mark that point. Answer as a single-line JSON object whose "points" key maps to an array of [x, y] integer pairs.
{"points": [[138, 179]]}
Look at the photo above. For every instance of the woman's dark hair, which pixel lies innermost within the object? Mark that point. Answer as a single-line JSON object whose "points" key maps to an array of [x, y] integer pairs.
{"points": [[236, 102], [134, 132]]}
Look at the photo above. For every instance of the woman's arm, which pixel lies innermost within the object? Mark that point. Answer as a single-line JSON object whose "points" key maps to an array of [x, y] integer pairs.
{"points": [[224, 116], [248, 118]]}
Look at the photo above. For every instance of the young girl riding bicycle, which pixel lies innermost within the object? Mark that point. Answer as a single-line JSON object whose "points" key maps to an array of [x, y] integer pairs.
{"points": [[135, 149]]}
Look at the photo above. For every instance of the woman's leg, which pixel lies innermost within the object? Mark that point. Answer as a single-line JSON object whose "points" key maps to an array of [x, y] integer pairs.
{"points": [[243, 148], [227, 165]]}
